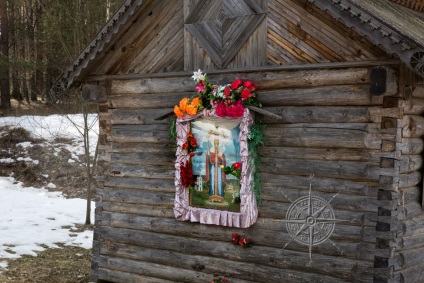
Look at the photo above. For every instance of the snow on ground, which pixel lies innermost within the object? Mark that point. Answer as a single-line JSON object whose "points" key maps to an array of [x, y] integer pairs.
{"points": [[31, 218]]}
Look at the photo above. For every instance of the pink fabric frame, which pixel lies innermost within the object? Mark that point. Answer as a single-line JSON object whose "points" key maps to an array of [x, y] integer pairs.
{"points": [[248, 207]]}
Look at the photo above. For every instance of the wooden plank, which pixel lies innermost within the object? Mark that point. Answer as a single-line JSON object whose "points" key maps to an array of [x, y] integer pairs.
{"points": [[243, 271], [138, 196], [164, 185], [318, 114], [322, 136], [279, 261], [264, 80], [329, 185], [138, 116], [352, 95], [140, 133], [329, 154], [144, 232], [335, 169], [244, 70], [142, 170], [137, 147], [114, 275], [413, 126]]}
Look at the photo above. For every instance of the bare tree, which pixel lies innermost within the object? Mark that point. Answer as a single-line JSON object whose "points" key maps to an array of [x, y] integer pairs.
{"points": [[4, 55]]}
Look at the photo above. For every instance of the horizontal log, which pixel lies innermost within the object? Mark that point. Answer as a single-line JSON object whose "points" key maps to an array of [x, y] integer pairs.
{"points": [[375, 114], [345, 238], [138, 197], [318, 114], [329, 154], [263, 80], [411, 146], [408, 211], [339, 200], [412, 274], [413, 106], [329, 185], [111, 275], [411, 194], [143, 170], [336, 169], [138, 209], [349, 95], [409, 258], [409, 179], [410, 163], [148, 101], [410, 242], [247, 273], [260, 254], [164, 160], [413, 126], [142, 133], [413, 227], [139, 147], [274, 258], [138, 116], [154, 185]]}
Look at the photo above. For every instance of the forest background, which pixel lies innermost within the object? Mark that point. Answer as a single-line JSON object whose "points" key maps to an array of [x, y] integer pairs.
{"points": [[39, 39]]}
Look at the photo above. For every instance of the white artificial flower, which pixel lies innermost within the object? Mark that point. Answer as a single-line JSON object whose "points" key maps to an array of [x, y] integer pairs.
{"points": [[198, 76]]}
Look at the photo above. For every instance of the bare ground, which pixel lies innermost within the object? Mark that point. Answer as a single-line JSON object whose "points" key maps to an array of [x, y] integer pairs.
{"points": [[66, 264]]}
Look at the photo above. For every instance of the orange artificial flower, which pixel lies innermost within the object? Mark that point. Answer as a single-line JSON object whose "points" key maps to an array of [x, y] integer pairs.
{"points": [[184, 104], [178, 112]]}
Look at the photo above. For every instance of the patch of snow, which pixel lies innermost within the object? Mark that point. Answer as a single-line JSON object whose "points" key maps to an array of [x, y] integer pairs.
{"points": [[25, 144], [7, 160], [51, 186], [31, 217]]}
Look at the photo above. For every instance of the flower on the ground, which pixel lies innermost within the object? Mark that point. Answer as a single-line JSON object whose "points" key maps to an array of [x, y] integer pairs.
{"points": [[220, 279], [239, 240]]}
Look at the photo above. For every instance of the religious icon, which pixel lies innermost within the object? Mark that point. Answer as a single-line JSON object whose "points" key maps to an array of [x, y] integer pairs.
{"points": [[217, 146], [205, 191]]}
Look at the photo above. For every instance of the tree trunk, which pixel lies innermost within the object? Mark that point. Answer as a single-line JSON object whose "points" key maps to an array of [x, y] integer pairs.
{"points": [[4, 55]]}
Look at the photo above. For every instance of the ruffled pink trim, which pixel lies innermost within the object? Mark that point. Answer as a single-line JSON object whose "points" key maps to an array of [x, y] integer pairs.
{"points": [[248, 208]]}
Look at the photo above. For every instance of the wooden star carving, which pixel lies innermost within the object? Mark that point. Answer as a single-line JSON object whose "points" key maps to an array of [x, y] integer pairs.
{"points": [[221, 27]]}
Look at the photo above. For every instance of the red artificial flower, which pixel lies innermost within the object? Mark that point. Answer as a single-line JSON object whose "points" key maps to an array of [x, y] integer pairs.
{"points": [[236, 239], [186, 174], [192, 154], [245, 94], [235, 111], [185, 145], [244, 242], [237, 165], [235, 84], [192, 141], [227, 92], [221, 110], [249, 85]]}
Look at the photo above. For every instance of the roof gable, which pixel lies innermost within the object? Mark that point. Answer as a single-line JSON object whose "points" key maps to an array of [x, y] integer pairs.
{"points": [[147, 36]]}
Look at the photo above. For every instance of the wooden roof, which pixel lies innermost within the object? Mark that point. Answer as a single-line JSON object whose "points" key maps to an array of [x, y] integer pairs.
{"points": [[385, 23], [417, 5], [398, 29]]}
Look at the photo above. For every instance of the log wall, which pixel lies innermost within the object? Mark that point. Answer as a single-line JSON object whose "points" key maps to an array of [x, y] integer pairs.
{"points": [[363, 150]]}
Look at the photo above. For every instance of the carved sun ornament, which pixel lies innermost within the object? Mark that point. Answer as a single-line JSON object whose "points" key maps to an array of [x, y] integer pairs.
{"points": [[221, 27]]}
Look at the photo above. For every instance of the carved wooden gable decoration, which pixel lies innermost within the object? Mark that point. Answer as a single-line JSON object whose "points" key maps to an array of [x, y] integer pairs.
{"points": [[222, 27]]}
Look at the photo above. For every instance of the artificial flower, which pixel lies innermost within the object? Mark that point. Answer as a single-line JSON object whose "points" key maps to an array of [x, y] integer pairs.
{"points": [[244, 242], [245, 94], [198, 76], [184, 104], [185, 145], [236, 84], [249, 85], [220, 110], [178, 111], [235, 238], [235, 111], [227, 92], [237, 165], [201, 87], [186, 174]]}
